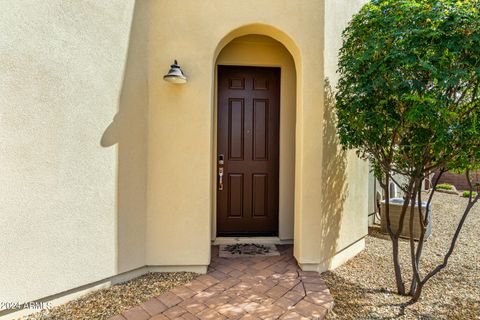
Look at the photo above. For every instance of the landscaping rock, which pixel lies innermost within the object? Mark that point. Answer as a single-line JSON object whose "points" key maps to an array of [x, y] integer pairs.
{"points": [[106, 303], [364, 288]]}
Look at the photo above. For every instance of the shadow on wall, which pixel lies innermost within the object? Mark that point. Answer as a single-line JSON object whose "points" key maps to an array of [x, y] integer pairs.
{"points": [[335, 189], [129, 130]]}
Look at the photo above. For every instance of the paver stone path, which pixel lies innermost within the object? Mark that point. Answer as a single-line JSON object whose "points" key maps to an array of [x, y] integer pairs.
{"points": [[259, 287]]}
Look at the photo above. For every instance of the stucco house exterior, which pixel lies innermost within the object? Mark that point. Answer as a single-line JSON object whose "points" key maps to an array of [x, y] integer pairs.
{"points": [[108, 171]]}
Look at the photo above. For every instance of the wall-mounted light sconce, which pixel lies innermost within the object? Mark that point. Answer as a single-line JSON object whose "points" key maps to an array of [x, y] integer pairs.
{"points": [[175, 75]]}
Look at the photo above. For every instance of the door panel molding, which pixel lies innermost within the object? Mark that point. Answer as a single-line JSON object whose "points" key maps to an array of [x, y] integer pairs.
{"points": [[248, 135]]}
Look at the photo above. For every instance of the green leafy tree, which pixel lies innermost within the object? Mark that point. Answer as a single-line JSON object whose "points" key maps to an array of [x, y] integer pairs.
{"points": [[408, 101]]}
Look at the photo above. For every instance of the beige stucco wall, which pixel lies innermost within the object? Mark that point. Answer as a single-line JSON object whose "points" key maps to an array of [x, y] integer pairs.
{"points": [[345, 192], [256, 50], [107, 168], [330, 194], [181, 131], [73, 143]]}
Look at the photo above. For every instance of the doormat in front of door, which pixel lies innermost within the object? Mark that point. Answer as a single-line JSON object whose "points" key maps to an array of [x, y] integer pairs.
{"points": [[245, 250]]}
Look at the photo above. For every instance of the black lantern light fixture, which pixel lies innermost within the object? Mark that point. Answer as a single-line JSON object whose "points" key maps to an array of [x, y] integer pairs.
{"points": [[175, 75]]}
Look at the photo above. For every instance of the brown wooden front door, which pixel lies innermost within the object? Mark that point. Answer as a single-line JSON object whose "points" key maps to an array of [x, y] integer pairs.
{"points": [[248, 144]]}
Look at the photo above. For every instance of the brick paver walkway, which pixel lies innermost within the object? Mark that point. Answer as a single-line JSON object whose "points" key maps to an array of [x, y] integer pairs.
{"points": [[243, 288]]}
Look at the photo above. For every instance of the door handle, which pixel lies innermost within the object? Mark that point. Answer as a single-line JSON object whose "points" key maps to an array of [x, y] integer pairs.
{"points": [[220, 179], [220, 171]]}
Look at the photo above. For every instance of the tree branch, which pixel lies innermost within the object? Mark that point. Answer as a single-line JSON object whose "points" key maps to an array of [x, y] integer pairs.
{"points": [[441, 266]]}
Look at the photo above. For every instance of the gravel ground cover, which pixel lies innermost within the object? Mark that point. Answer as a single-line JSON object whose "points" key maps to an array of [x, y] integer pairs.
{"points": [[108, 302], [364, 287]]}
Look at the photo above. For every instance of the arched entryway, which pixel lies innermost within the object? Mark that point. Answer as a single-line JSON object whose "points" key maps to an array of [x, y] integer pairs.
{"points": [[261, 56]]}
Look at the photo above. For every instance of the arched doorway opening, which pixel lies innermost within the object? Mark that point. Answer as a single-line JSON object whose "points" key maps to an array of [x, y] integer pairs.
{"points": [[238, 193]]}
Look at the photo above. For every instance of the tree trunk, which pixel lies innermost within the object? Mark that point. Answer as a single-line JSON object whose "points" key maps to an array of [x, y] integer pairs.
{"points": [[394, 237], [396, 265], [471, 203], [417, 185], [423, 220], [418, 292]]}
